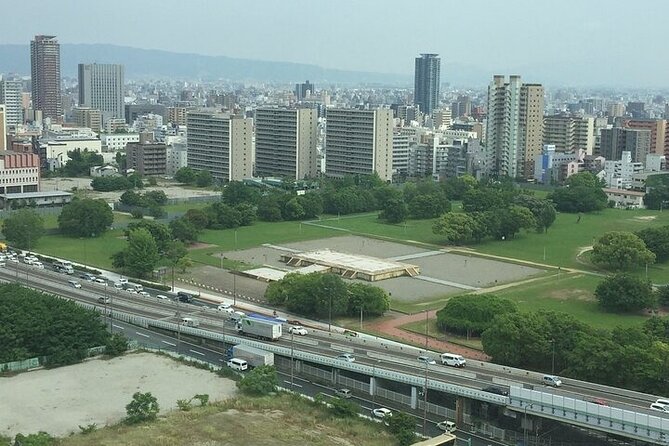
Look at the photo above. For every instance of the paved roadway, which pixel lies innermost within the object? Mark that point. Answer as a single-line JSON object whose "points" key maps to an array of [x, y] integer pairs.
{"points": [[373, 353]]}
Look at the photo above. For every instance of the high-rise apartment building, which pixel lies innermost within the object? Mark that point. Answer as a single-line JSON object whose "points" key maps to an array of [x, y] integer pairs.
{"points": [[568, 133], [11, 95], [514, 130], [101, 86], [617, 140], [87, 117], [659, 134], [426, 82], [220, 143], [177, 115], [45, 76], [615, 109], [286, 141], [462, 107], [3, 128], [359, 142], [147, 159]]}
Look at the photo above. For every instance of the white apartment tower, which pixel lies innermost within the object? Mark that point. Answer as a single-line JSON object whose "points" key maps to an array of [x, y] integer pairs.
{"points": [[101, 87], [11, 95], [286, 142], [514, 130], [220, 143], [359, 142]]}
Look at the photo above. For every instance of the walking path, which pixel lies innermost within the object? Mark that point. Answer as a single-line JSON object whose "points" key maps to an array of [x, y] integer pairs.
{"points": [[392, 327]]}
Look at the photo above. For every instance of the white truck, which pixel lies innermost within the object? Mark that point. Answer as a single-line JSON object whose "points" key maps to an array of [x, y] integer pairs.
{"points": [[259, 328], [254, 356]]}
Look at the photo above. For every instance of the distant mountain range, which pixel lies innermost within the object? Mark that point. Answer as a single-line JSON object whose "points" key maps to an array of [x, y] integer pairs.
{"points": [[141, 63]]}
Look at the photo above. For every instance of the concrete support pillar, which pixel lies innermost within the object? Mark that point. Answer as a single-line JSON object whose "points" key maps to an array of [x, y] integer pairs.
{"points": [[372, 385], [335, 376], [462, 406], [414, 397]]}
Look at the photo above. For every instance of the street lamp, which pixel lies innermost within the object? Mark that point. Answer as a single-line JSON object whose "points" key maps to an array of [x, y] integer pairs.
{"points": [[330, 315], [553, 357], [425, 400], [292, 358], [527, 406]]}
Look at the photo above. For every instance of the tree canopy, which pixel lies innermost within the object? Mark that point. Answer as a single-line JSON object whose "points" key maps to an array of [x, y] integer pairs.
{"points": [[85, 218], [80, 163], [621, 250], [624, 293], [23, 228], [140, 255], [472, 314], [657, 241]]}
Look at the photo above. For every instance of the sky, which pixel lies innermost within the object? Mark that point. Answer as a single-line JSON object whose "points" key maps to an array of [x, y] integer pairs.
{"points": [[596, 42]]}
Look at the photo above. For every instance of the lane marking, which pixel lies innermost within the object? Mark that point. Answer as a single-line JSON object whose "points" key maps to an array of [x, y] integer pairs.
{"points": [[294, 384], [118, 326], [169, 343], [142, 334], [196, 352]]}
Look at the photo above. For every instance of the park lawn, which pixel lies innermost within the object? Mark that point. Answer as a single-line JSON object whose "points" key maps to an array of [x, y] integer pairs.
{"points": [[566, 237], [185, 205], [369, 224], [95, 251], [571, 293], [433, 332]]}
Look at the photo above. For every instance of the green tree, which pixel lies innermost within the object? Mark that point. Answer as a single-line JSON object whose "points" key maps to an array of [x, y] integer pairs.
{"points": [[293, 210], [156, 196], [395, 211], [429, 205], [455, 227], [511, 220], [204, 179], [624, 293], [621, 251], [23, 228], [261, 380], [143, 407], [472, 314], [106, 184], [174, 251], [663, 295], [456, 187], [39, 439], [373, 300], [85, 218], [517, 339], [657, 198], [486, 199], [141, 254], [198, 218], [80, 163], [236, 192], [657, 241], [132, 198], [342, 408], [247, 214], [578, 199], [543, 210], [116, 345], [160, 232], [403, 427], [312, 203], [183, 230], [269, 209], [185, 175], [584, 179], [310, 294]]}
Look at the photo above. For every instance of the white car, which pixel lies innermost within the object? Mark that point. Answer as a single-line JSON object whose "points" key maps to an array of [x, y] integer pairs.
{"points": [[162, 297], [38, 264], [447, 426], [382, 412], [298, 330], [346, 357], [223, 307], [100, 280], [659, 407], [131, 290], [145, 294], [426, 360]]}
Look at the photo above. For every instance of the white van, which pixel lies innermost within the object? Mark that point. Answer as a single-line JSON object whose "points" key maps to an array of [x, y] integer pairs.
{"points": [[190, 322], [551, 380], [238, 364], [453, 360], [74, 283], [447, 426]]}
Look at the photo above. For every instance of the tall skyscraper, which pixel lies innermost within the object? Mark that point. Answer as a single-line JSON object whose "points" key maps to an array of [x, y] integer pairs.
{"points": [[514, 131], [11, 95], [3, 128], [426, 82], [101, 87], [359, 142], [286, 142], [302, 89], [220, 143], [45, 76]]}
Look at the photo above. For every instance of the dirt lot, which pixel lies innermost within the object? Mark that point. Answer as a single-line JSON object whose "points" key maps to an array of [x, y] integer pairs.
{"points": [[58, 401], [448, 269]]}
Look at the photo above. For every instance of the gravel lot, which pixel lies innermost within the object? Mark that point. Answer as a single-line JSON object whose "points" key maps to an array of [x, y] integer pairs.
{"points": [[57, 401], [459, 269]]}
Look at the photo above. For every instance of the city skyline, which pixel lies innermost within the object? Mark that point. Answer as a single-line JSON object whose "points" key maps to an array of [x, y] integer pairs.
{"points": [[544, 43]]}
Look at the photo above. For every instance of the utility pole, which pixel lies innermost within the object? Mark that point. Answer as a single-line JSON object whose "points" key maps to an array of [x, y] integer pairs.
{"points": [[292, 358], [425, 400]]}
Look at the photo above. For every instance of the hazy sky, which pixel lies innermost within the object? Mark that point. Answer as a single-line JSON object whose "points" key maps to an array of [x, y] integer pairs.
{"points": [[615, 41]]}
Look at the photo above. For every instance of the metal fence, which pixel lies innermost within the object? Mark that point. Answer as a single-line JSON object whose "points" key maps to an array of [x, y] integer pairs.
{"points": [[33, 363]]}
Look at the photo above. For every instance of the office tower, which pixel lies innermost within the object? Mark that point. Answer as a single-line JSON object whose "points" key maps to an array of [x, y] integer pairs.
{"points": [[220, 143], [87, 117], [11, 95], [426, 82], [286, 142], [514, 130], [615, 109], [637, 110], [101, 86], [45, 76], [3, 128], [359, 142], [659, 142], [302, 89], [617, 140]]}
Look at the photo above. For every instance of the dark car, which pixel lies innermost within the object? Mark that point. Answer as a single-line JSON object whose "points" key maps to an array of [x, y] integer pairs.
{"points": [[496, 390], [184, 297]]}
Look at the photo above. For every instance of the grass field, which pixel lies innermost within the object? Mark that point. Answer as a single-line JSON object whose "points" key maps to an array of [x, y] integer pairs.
{"points": [[274, 420], [433, 332]]}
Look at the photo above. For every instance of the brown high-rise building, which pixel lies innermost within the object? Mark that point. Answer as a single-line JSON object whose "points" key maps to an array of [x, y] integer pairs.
{"points": [[45, 75], [659, 138]]}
